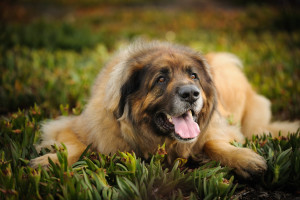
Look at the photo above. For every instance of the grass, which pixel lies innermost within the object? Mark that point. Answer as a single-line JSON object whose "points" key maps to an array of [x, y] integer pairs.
{"points": [[47, 66], [121, 176], [124, 176]]}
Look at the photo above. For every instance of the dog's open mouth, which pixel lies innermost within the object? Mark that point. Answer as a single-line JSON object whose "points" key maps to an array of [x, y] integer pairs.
{"points": [[184, 126]]}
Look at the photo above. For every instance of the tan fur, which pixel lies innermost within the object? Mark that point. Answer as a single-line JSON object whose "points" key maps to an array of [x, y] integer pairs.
{"points": [[100, 125], [238, 100]]}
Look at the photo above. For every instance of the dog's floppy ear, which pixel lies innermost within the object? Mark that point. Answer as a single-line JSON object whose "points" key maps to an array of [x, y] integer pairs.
{"points": [[131, 86], [209, 90]]}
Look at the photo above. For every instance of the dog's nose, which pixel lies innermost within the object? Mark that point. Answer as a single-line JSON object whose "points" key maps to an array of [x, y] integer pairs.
{"points": [[189, 93]]}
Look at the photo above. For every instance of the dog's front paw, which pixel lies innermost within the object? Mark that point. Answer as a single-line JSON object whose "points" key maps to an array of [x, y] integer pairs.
{"points": [[43, 160], [249, 163]]}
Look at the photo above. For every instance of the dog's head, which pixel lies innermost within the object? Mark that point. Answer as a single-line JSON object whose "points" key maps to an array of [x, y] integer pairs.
{"points": [[169, 91]]}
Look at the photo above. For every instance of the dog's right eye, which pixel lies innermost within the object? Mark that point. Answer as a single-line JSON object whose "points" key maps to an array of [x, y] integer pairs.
{"points": [[161, 79]]}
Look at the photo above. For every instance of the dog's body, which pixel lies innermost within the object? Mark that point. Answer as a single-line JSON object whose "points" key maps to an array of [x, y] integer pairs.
{"points": [[155, 93]]}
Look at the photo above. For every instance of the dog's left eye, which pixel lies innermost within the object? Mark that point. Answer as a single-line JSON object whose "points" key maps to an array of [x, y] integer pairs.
{"points": [[194, 76]]}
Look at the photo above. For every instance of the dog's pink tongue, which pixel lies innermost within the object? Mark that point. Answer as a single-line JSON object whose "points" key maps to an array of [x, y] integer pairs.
{"points": [[185, 126]]}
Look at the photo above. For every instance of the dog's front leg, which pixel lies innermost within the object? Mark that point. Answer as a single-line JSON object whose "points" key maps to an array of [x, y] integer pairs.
{"points": [[74, 147], [244, 161]]}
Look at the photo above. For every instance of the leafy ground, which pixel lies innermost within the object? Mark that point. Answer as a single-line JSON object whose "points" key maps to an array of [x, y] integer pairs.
{"points": [[52, 51]]}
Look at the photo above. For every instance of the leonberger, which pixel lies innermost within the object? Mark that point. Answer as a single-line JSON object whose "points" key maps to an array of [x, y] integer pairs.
{"points": [[155, 93]]}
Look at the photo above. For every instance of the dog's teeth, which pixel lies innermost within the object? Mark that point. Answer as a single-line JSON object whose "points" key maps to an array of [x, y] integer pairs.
{"points": [[169, 118], [190, 112]]}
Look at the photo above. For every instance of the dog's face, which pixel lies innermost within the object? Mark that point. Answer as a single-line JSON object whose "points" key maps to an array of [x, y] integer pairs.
{"points": [[169, 92]]}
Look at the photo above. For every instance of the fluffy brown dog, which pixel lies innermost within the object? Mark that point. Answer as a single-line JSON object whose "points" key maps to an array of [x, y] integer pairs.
{"points": [[155, 93]]}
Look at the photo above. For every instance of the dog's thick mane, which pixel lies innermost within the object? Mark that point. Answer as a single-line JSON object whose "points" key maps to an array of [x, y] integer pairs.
{"points": [[123, 67]]}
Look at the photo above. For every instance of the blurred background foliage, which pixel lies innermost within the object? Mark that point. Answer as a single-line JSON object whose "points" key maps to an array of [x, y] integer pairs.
{"points": [[52, 50]]}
